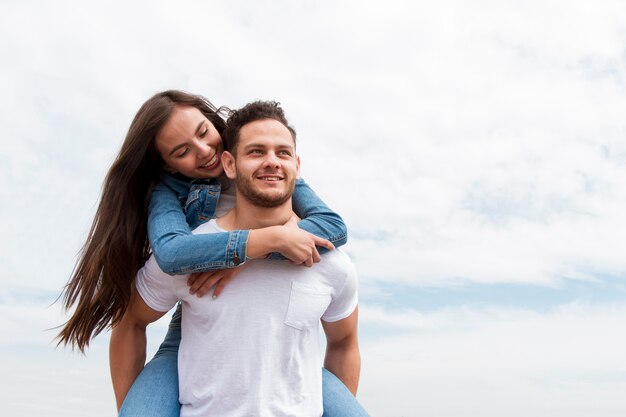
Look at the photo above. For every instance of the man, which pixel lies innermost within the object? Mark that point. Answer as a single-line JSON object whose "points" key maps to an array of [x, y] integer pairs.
{"points": [[255, 349]]}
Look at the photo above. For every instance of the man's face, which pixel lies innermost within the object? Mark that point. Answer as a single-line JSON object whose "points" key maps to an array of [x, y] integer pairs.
{"points": [[266, 164]]}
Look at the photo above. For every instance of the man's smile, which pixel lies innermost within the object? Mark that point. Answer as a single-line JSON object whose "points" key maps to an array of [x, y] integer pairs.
{"points": [[269, 178]]}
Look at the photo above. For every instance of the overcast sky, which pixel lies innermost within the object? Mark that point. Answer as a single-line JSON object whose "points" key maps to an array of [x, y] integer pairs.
{"points": [[477, 151]]}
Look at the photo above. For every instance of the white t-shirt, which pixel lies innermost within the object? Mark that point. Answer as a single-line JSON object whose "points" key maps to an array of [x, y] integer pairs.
{"points": [[255, 350]]}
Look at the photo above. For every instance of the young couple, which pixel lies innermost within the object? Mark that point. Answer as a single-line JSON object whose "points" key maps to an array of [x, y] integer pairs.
{"points": [[251, 348]]}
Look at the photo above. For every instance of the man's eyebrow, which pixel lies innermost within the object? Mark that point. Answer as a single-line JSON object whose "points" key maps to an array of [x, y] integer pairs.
{"points": [[254, 145], [261, 145], [290, 148], [177, 147]]}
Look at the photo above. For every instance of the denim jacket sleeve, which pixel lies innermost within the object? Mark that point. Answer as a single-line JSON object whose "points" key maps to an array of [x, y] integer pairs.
{"points": [[177, 250], [316, 217]]}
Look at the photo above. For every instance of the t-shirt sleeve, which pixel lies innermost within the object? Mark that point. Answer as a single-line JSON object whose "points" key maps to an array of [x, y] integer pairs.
{"points": [[346, 300], [155, 287]]}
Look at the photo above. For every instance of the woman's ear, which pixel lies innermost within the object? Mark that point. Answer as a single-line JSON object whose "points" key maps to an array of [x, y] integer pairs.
{"points": [[164, 166], [228, 162]]}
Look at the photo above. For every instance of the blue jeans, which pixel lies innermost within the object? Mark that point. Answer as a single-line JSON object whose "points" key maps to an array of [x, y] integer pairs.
{"points": [[155, 391]]}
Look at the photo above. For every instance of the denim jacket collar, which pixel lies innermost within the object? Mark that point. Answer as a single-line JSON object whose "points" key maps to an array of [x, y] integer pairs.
{"points": [[182, 185]]}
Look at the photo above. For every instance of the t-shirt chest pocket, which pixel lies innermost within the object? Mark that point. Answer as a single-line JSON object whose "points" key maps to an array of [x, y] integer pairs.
{"points": [[307, 304]]}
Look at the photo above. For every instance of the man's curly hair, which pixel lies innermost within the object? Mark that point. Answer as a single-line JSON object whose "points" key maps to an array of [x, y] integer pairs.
{"points": [[251, 112]]}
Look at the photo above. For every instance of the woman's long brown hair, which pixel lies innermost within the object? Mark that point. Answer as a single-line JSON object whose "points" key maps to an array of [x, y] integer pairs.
{"points": [[117, 244]]}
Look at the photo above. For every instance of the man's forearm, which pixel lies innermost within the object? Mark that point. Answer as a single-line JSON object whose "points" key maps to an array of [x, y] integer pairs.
{"points": [[127, 356], [344, 361]]}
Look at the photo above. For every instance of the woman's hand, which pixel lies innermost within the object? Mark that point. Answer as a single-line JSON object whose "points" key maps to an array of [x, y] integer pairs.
{"points": [[295, 244], [201, 282], [299, 246]]}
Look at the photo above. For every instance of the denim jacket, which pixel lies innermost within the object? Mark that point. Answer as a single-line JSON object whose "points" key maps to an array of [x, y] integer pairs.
{"points": [[178, 205]]}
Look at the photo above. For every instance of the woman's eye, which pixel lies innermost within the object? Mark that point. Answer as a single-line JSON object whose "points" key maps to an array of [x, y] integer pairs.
{"points": [[183, 153], [203, 134]]}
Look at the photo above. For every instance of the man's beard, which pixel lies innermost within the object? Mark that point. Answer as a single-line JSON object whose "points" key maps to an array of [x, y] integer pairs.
{"points": [[268, 199]]}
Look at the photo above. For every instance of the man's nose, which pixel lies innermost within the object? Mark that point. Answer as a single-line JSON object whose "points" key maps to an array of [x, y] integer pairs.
{"points": [[271, 160]]}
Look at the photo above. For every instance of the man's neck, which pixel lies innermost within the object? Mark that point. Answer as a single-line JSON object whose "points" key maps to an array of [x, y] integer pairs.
{"points": [[246, 215]]}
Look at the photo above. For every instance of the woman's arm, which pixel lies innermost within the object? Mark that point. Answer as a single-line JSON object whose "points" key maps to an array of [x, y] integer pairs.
{"points": [[297, 245], [178, 251], [316, 217]]}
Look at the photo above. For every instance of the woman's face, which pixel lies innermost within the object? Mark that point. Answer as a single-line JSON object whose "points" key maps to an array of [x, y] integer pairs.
{"points": [[190, 145]]}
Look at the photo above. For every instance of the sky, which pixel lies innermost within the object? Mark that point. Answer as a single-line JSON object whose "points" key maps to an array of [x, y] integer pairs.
{"points": [[476, 150]]}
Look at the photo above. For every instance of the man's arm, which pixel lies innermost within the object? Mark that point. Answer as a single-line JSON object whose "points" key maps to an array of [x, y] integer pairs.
{"points": [[127, 347], [342, 350]]}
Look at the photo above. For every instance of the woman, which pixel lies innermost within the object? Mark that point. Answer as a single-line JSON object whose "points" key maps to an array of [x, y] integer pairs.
{"points": [[154, 194]]}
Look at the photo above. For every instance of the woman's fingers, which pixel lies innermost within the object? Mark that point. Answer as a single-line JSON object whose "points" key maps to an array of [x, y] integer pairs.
{"points": [[323, 243], [194, 277], [221, 284], [201, 283], [316, 255]]}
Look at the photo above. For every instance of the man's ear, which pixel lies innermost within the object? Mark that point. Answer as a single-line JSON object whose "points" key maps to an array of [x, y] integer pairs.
{"points": [[298, 166], [228, 162]]}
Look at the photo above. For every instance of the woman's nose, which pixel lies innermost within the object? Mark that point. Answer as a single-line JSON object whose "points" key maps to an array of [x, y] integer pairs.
{"points": [[203, 150]]}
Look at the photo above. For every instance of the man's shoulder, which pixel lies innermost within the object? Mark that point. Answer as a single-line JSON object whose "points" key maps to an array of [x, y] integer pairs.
{"points": [[338, 256], [337, 262]]}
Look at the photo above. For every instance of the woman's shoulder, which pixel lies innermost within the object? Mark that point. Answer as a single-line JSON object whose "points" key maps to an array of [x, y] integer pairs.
{"points": [[174, 182]]}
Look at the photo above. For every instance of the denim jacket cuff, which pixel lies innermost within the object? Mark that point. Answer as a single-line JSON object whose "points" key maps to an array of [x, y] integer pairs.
{"points": [[237, 241]]}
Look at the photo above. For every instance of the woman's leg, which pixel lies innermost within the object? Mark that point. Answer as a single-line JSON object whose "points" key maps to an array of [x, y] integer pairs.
{"points": [[155, 391], [338, 400]]}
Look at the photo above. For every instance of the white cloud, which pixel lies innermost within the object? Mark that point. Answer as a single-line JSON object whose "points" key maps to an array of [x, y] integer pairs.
{"points": [[471, 361], [507, 167], [41, 379], [493, 362], [480, 142]]}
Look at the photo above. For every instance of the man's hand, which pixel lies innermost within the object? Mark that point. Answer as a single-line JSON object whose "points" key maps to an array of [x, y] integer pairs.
{"points": [[201, 282], [127, 347]]}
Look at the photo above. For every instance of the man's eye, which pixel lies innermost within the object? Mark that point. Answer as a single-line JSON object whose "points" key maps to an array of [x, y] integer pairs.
{"points": [[287, 153]]}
